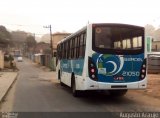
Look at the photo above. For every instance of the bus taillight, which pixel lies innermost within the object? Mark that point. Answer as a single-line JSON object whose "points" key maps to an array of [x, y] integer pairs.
{"points": [[143, 70], [92, 69]]}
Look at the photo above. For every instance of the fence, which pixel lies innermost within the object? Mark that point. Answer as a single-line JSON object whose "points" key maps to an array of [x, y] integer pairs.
{"points": [[153, 63], [45, 60]]}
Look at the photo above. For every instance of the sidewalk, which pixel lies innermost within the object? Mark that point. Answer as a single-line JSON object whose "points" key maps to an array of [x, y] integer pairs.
{"points": [[6, 80]]}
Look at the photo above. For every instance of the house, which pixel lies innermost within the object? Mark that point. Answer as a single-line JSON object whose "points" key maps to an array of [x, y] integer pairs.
{"points": [[42, 54], [56, 37], [42, 47]]}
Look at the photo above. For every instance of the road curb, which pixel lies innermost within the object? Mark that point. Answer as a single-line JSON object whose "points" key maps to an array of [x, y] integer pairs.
{"points": [[8, 89]]}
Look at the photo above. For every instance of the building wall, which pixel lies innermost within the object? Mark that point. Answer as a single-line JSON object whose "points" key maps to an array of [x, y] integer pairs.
{"points": [[58, 37], [40, 47], [1, 60]]}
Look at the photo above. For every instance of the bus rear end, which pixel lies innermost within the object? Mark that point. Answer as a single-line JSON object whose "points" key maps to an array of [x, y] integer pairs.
{"points": [[117, 60]]}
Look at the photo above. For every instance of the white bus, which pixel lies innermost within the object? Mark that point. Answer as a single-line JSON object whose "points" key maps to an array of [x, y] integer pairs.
{"points": [[104, 56]]}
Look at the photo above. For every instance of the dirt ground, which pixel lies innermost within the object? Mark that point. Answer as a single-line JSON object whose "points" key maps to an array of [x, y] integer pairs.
{"points": [[153, 86]]}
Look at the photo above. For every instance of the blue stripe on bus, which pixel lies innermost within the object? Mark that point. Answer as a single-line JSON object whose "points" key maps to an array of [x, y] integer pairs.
{"points": [[70, 66], [110, 68]]}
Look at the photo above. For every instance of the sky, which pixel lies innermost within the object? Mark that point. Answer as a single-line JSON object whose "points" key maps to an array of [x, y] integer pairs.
{"points": [[71, 15]]}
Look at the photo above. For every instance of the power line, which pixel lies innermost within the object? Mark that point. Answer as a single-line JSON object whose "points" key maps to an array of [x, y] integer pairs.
{"points": [[23, 25], [29, 33], [33, 25]]}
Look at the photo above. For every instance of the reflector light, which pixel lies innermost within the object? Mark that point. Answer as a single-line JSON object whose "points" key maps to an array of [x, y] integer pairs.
{"points": [[92, 69], [142, 76], [92, 65], [93, 76], [144, 65], [143, 71]]}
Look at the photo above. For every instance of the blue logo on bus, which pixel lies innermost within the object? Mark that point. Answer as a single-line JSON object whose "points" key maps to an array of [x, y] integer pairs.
{"points": [[109, 64]]}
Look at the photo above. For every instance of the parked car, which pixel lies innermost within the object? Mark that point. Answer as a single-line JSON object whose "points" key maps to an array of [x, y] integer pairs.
{"points": [[19, 59]]}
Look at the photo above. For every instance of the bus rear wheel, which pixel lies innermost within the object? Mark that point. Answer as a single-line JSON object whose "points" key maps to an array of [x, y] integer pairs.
{"points": [[74, 91], [117, 93]]}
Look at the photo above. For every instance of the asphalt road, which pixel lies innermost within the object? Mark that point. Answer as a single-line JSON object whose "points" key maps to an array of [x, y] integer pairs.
{"points": [[36, 90]]}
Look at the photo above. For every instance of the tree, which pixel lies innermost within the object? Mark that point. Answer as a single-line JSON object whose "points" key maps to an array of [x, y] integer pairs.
{"points": [[5, 36], [30, 41], [19, 36], [152, 31], [149, 30]]}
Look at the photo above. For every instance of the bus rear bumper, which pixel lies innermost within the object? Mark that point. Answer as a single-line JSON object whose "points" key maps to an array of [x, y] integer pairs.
{"points": [[93, 85]]}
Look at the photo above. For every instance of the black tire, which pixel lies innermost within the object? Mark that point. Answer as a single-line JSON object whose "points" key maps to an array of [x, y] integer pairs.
{"points": [[73, 86], [61, 83], [59, 74], [59, 77], [117, 93]]}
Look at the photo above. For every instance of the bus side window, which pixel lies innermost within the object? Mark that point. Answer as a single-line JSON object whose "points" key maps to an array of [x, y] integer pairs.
{"points": [[65, 51], [82, 45], [72, 48], [73, 40], [75, 46], [62, 50], [58, 51], [78, 46], [68, 49], [70, 54]]}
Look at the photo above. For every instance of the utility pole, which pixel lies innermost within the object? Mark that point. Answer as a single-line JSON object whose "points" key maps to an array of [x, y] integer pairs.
{"points": [[33, 51], [52, 43], [51, 40], [52, 48]]}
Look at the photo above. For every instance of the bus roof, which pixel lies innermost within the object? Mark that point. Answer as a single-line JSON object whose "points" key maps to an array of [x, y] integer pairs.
{"points": [[99, 24], [72, 35]]}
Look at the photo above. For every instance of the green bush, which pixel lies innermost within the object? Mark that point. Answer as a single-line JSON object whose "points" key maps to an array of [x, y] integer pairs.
{"points": [[8, 58]]}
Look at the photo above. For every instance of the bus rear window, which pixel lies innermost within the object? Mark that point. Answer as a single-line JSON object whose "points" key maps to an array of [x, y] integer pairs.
{"points": [[124, 38]]}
